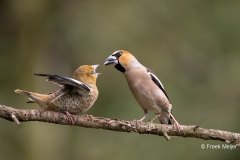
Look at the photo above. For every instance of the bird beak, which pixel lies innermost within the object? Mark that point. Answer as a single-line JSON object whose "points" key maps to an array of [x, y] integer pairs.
{"points": [[97, 74], [111, 60], [95, 68]]}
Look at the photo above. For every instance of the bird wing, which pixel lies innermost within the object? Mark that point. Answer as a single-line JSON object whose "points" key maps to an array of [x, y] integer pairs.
{"points": [[64, 81], [157, 81]]}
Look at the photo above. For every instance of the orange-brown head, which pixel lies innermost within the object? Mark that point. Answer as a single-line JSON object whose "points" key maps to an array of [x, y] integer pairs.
{"points": [[87, 74], [122, 61]]}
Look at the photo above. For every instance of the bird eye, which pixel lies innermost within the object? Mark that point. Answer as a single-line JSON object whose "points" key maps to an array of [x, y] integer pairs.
{"points": [[92, 72], [117, 54]]}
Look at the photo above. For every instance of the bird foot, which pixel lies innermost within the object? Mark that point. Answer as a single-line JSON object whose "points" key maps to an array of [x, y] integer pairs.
{"points": [[138, 122], [177, 126], [88, 116], [69, 117]]}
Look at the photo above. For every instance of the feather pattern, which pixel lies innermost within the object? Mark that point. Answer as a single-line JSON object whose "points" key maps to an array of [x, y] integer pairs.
{"points": [[64, 81], [157, 81]]}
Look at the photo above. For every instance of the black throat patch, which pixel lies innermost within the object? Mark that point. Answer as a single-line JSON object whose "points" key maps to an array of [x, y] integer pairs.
{"points": [[120, 68]]}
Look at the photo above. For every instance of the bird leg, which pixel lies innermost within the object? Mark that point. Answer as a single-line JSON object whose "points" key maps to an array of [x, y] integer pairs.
{"points": [[153, 119], [145, 115], [176, 124], [69, 117]]}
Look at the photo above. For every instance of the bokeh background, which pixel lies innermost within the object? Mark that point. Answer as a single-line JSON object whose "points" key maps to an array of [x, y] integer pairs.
{"points": [[193, 46]]}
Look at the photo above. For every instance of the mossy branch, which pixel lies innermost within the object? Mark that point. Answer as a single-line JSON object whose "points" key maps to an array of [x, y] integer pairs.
{"points": [[21, 115]]}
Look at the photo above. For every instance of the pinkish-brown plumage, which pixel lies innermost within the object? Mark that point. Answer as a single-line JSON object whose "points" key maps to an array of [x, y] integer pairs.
{"points": [[76, 96], [144, 85]]}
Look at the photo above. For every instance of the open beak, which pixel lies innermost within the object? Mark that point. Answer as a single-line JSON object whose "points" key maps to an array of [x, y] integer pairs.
{"points": [[111, 60], [95, 68]]}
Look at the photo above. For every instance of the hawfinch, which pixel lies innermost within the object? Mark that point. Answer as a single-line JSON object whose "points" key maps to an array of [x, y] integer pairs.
{"points": [[75, 96], [145, 86]]}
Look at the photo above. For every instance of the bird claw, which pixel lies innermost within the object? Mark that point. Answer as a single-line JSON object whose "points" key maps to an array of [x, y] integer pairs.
{"points": [[138, 122], [69, 117], [177, 126], [88, 116]]}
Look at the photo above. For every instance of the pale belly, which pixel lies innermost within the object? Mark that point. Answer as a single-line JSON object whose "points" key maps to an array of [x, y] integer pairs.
{"points": [[147, 99], [72, 103], [148, 95]]}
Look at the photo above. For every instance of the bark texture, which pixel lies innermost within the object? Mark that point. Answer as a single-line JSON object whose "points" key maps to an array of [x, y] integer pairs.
{"points": [[20, 115]]}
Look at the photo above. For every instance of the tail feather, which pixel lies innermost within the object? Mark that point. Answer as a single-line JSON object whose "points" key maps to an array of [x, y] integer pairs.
{"points": [[33, 97], [165, 118], [31, 101], [169, 122], [165, 121], [22, 92], [40, 99], [44, 75]]}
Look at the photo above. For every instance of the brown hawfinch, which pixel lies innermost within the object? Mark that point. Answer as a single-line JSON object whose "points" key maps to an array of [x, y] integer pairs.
{"points": [[77, 94], [145, 86]]}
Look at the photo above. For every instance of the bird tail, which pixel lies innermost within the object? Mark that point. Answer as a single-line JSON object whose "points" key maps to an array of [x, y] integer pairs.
{"points": [[165, 118], [33, 97]]}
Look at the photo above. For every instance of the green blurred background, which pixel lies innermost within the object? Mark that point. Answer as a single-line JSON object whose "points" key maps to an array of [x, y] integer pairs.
{"points": [[192, 45]]}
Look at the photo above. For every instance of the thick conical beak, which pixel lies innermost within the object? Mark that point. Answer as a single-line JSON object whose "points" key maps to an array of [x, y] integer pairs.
{"points": [[95, 68], [97, 74], [111, 60]]}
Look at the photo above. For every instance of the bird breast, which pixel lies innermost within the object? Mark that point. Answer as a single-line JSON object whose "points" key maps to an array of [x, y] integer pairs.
{"points": [[74, 103], [146, 92]]}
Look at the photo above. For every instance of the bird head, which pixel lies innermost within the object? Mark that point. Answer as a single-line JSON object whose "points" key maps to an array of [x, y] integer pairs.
{"points": [[87, 74], [122, 60]]}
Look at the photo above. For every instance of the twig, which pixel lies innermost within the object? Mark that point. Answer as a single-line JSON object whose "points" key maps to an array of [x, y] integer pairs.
{"points": [[15, 118], [167, 131]]}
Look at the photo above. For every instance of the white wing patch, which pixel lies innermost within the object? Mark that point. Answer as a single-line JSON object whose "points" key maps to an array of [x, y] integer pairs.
{"points": [[75, 83], [80, 83], [155, 77], [157, 81], [63, 81]]}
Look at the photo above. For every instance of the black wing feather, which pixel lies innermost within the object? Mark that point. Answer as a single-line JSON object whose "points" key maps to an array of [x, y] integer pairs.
{"points": [[64, 81], [157, 81]]}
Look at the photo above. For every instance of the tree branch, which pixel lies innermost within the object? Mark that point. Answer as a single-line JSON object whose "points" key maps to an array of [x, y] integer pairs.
{"points": [[167, 131]]}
